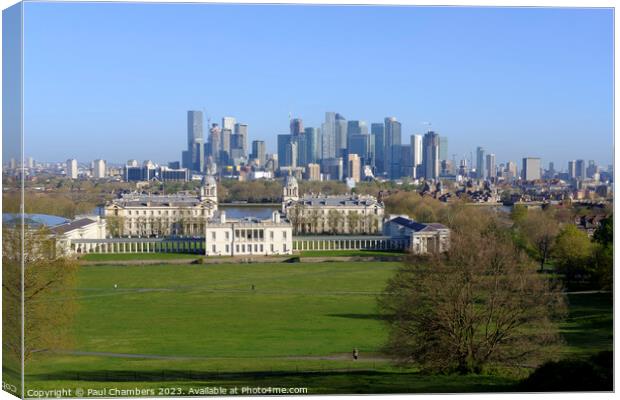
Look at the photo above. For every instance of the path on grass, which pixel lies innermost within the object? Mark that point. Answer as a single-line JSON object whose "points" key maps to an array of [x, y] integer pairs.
{"points": [[330, 357]]}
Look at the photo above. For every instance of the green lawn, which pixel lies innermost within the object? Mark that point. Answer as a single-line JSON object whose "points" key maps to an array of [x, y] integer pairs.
{"points": [[350, 253], [137, 256], [198, 325]]}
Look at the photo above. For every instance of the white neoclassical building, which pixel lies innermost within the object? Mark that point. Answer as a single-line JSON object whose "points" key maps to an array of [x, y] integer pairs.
{"points": [[248, 236], [422, 237], [334, 214], [148, 215], [68, 233]]}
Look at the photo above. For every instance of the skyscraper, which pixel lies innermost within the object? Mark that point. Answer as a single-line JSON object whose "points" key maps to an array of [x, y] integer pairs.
{"points": [[297, 126], [360, 144], [416, 154], [259, 152], [284, 156], [340, 134], [313, 144], [531, 168], [491, 167], [241, 132], [72, 168], [193, 157], [580, 170], [430, 155], [328, 130], [215, 142], [99, 169], [406, 161], [392, 147], [443, 148], [229, 123], [377, 131], [480, 163], [572, 170], [356, 128]]}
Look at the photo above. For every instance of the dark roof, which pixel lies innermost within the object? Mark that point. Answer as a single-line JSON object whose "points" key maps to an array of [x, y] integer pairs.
{"points": [[64, 228], [417, 226]]}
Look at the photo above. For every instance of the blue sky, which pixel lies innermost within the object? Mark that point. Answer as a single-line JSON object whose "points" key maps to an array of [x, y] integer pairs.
{"points": [[114, 81]]}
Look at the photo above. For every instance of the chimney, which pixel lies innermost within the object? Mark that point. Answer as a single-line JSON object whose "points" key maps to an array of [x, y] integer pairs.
{"points": [[222, 217], [276, 217]]}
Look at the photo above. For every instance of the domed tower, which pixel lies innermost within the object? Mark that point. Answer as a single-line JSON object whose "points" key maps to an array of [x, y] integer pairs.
{"points": [[290, 192], [208, 191]]}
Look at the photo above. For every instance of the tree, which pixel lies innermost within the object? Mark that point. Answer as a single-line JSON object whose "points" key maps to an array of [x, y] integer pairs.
{"points": [[115, 225], [603, 259], [353, 221], [572, 252], [480, 304], [334, 218], [47, 318], [538, 231]]}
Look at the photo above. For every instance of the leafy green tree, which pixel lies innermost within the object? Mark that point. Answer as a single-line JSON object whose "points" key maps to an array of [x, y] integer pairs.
{"points": [[603, 258], [572, 252]]}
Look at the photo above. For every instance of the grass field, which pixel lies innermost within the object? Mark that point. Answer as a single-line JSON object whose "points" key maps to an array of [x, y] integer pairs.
{"points": [[186, 326], [136, 256], [350, 253]]}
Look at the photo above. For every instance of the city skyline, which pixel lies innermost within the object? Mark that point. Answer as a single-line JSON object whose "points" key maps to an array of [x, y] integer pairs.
{"points": [[516, 95]]}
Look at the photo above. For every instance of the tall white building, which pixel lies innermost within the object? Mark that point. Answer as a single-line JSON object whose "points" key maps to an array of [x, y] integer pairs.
{"points": [[328, 144], [491, 167], [72, 168], [531, 168], [416, 149], [99, 169]]}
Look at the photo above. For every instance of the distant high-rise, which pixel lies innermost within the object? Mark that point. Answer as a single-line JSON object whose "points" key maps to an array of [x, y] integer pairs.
{"points": [[392, 147], [313, 172], [284, 155], [491, 167], [215, 142], [241, 132], [99, 169], [511, 171], [480, 163], [354, 168], [360, 144], [297, 126], [572, 170], [259, 152], [430, 155], [377, 131], [580, 170], [416, 154], [531, 168], [225, 145], [229, 123], [443, 148], [356, 128], [340, 142], [406, 161], [313, 144], [72, 168], [328, 130], [193, 157], [194, 127]]}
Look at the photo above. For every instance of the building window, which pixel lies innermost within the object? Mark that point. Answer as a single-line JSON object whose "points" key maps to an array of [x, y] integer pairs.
{"points": [[284, 235], [227, 249], [237, 248], [271, 235], [261, 248], [284, 247], [213, 235], [272, 248], [227, 235], [213, 248]]}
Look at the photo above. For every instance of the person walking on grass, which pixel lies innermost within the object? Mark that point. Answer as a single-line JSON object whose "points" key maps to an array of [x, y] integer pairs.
{"points": [[356, 353]]}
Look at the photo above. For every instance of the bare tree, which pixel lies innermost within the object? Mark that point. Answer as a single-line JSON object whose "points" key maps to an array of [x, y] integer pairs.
{"points": [[539, 230], [481, 304], [47, 318]]}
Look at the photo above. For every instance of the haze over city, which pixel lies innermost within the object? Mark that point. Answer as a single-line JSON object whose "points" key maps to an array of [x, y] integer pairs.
{"points": [[520, 82]]}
